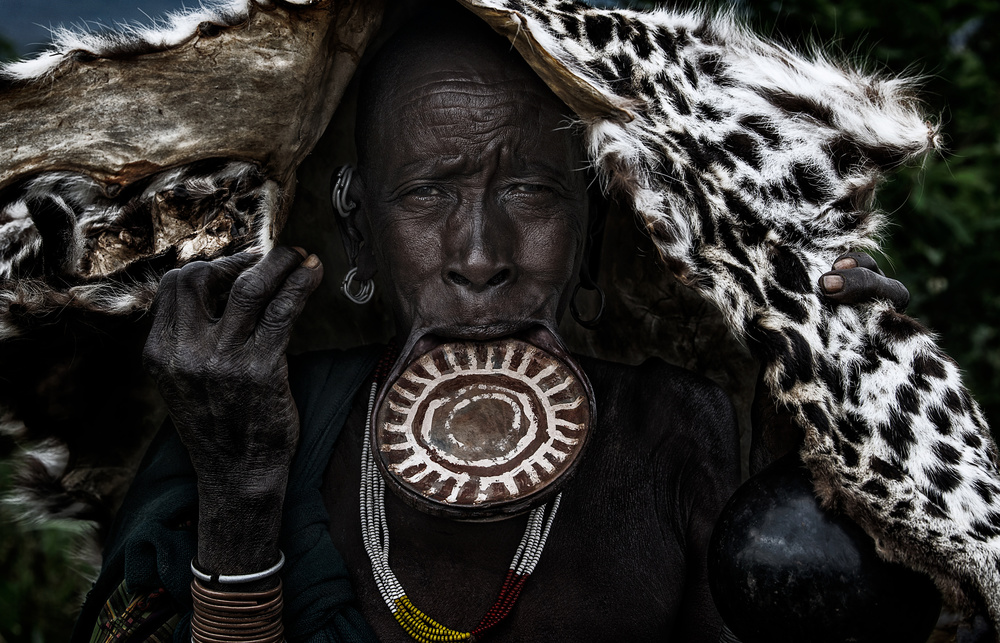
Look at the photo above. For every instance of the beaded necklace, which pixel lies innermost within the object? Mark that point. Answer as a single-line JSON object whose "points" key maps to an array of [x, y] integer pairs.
{"points": [[375, 535]]}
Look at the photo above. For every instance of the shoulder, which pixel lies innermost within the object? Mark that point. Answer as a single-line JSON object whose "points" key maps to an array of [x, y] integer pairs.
{"points": [[680, 424], [691, 395], [668, 403]]}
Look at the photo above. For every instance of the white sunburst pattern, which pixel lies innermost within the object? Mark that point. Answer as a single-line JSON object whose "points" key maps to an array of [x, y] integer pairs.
{"points": [[548, 410]]}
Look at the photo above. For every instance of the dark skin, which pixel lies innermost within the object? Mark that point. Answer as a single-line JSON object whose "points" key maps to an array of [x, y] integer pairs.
{"points": [[480, 214], [475, 220], [625, 558]]}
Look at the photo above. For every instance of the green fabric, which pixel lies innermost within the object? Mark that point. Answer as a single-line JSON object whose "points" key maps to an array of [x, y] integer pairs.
{"points": [[152, 541]]}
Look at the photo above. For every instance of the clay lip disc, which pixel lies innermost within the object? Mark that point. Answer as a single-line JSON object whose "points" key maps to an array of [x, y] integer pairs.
{"points": [[481, 429]]}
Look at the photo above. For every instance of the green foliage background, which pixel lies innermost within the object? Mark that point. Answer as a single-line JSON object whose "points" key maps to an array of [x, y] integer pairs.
{"points": [[41, 580], [942, 242]]}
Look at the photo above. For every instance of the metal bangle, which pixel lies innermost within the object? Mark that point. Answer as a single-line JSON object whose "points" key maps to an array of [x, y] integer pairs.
{"points": [[233, 579], [364, 289]]}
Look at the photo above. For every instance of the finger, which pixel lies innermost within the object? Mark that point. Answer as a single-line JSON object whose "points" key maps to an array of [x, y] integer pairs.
{"points": [[276, 324], [254, 289], [854, 286], [159, 342], [850, 260], [205, 283], [201, 289]]}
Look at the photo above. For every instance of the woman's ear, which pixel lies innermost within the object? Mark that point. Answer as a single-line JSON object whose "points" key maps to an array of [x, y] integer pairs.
{"points": [[348, 196]]}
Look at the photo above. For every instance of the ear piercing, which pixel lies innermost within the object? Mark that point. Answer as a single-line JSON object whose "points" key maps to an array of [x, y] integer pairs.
{"points": [[341, 184], [360, 292]]}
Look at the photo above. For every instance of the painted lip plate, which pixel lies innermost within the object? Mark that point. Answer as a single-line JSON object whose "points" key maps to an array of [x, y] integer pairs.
{"points": [[482, 430]]}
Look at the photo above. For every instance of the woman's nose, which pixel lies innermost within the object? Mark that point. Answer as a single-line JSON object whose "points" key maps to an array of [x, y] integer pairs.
{"points": [[479, 274], [481, 251]]}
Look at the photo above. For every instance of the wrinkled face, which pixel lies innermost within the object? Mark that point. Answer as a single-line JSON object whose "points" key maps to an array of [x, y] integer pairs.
{"points": [[474, 200]]}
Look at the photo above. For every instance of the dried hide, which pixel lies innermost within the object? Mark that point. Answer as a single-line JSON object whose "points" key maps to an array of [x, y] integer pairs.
{"points": [[163, 145], [128, 154], [750, 166]]}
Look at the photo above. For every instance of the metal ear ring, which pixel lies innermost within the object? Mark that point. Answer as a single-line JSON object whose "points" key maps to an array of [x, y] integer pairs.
{"points": [[341, 184], [360, 292], [573, 310]]}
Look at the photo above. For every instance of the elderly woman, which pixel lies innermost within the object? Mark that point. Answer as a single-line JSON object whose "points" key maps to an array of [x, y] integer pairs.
{"points": [[472, 207]]}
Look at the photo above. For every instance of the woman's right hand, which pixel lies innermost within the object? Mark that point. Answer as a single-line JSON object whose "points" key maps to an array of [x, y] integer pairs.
{"points": [[217, 353]]}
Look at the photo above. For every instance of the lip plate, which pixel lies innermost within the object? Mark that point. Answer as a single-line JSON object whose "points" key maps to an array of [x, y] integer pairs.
{"points": [[542, 339]]}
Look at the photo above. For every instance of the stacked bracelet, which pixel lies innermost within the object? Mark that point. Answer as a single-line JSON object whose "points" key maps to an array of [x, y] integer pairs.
{"points": [[234, 579], [223, 617]]}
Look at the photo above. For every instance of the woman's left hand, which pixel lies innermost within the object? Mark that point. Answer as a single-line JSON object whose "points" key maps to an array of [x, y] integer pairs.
{"points": [[856, 278]]}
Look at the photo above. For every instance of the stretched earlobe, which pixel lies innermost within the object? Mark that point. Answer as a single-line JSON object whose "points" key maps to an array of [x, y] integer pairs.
{"points": [[594, 321], [358, 291], [597, 209]]}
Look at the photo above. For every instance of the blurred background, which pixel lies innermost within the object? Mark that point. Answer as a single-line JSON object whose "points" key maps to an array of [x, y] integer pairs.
{"points": [[942, 242]]}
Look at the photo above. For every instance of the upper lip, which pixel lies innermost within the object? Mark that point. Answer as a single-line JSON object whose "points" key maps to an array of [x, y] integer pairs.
{"points": [[421, 340], [479, 332]]}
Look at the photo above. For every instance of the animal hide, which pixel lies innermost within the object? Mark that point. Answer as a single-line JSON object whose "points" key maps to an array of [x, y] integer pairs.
{"points": [[752, 168]]}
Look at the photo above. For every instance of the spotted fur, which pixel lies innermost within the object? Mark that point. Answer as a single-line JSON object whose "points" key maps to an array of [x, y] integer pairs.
{"points": [[64, 243], [753, 167]]}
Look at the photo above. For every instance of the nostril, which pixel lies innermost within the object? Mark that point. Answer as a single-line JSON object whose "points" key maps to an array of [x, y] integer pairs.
{"points": [[499, 278]]}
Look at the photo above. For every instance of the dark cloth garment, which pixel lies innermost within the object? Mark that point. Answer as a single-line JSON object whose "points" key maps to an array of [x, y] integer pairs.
{"points": [[153, 538], [149, 617]]}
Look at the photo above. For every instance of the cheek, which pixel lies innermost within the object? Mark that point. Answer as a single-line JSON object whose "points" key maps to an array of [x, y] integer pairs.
{"points": [[407, 254], [550, 252]]}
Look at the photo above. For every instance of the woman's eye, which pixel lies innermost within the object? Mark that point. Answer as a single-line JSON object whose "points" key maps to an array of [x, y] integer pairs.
{"points": [[425, 191], [530, 188]]}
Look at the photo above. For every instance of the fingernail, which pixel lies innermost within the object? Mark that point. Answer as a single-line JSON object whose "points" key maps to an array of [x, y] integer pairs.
{"points": [[833, 283], [312, 261], [301, 251], [845, 264]]}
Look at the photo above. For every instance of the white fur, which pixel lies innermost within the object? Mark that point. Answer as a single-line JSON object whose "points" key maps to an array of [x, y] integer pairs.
{"points": [[874, 114], [171, 30]]}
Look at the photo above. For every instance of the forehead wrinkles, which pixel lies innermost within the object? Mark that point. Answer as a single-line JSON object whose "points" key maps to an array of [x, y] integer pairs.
{"points": [[506, 113], [490, 98]]}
